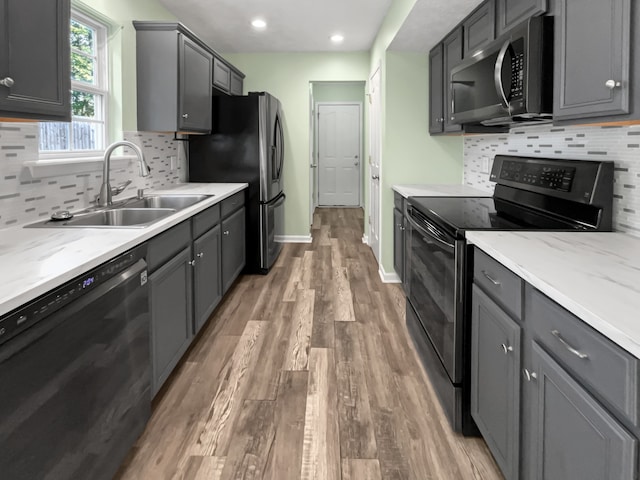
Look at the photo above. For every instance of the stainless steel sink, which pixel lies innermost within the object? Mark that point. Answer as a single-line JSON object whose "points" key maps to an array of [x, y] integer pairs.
{"points": [[112, 218], [177, 202]]}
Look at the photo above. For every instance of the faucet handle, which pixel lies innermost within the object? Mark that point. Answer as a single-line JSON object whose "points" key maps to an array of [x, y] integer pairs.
{"points": [[117, 190]]}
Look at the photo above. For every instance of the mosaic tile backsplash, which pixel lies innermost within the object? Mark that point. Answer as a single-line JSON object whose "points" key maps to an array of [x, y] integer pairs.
{"points": [[25, 199], [618, 144]]}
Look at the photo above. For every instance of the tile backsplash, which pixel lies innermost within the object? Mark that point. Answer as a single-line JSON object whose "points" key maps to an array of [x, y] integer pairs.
{"points": [[619, 144], [25, 198]]}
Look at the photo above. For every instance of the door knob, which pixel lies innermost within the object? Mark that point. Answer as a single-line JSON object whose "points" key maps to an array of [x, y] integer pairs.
{"points": [[375, 177], [611, 84], [7, 82]]}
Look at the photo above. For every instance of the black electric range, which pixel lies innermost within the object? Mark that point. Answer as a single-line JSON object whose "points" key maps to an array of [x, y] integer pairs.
{"points": [[530, 194]]}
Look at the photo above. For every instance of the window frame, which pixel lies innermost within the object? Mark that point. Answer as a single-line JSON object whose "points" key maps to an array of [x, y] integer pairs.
{"points": [[101, 87]]}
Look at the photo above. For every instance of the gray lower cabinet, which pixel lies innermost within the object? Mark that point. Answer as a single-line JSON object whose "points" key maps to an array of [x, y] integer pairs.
{"points": [[35, 76], [207, 290], [495, 381], [510, 13], [170, 293], [399, 226], [233, 247], [572, 436], [592, 65]]}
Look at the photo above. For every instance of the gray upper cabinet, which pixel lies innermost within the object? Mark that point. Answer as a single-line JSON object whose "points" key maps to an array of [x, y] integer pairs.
{"points": [[174, 79], [592, 58], [194, 112], [572, 437], [237, 83], [495, 381], [35, 60], [207, 290], [233, 247], [479, 28], [436, 90], [510, 13], [221, 75], [452, 54]]}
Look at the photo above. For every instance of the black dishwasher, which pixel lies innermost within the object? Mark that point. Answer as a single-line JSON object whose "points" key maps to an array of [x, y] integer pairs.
{"points": [[75, 375]]}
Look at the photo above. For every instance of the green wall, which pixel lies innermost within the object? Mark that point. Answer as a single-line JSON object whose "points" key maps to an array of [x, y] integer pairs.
{"points": [[338, 92], [287, 76], [122, 51]]}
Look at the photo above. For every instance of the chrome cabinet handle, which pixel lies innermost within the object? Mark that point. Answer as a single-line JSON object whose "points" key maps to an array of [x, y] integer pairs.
{"points": [[577, 353], [226, 232], [7, 82], [506, 349], [491, 279], [530, 375], [611, 84], [192, 263], [185, 115], [200, 255]]}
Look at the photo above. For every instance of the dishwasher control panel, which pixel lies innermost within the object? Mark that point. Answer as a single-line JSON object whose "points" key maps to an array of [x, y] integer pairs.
{"points": [[31, 313]]}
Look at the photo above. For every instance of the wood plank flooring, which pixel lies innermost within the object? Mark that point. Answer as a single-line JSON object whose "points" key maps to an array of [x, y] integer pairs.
{"points": [[306, 373]]}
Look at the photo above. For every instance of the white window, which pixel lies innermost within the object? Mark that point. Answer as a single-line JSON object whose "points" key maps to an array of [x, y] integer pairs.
{"points": [[89, 95]]}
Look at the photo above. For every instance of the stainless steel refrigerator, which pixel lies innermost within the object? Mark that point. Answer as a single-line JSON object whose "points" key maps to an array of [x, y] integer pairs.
{"points": [[247, 145]]}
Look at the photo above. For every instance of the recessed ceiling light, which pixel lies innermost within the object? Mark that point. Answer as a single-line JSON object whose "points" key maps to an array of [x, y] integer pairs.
{"points": [[259, 23], [337, 38]]}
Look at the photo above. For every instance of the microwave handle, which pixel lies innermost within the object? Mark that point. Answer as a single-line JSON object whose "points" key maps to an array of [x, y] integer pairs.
{"points": [[497, 74]]}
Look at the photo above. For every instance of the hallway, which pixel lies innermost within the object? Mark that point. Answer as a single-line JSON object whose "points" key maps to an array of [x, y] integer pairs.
{"points": [[307, 373]]}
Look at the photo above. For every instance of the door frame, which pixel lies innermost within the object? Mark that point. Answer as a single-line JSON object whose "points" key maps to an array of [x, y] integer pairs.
{"points": [[316, 141]]}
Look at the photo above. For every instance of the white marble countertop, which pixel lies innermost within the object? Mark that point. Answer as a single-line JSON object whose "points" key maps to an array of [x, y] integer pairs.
{"points": [[594, 275], [36, 260], [457, 190]]}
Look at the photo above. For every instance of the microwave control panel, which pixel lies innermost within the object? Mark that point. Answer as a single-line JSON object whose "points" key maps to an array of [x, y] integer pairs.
{"points": [[548, 176], [517, 76]]}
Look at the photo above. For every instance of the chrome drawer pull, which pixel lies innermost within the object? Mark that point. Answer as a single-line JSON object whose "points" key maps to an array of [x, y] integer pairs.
{"points": [[506, 349], [529, 375], [577, 353], [491, 279]]}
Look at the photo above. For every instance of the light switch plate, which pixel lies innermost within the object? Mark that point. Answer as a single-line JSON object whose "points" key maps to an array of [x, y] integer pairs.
{"points": [[484, 164], [174, 163]]}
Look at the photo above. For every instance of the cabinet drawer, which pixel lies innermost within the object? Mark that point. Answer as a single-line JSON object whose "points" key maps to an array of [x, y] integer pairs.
{"points": [[203, 221], [231, 204], [168, 244], [610, 372], [500, 283], [398, 201]]}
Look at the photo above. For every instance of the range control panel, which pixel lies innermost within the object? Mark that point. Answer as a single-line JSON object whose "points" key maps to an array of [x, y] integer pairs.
{"points": [[541, 175]]}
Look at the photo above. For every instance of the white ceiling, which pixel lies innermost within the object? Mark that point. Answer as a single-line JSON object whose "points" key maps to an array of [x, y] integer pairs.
{"points": [[306, 25]]}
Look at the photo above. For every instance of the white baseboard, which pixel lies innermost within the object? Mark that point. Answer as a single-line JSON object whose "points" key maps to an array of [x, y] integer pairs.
{"points": [[391, 277], [293, 238], [365, 239]]}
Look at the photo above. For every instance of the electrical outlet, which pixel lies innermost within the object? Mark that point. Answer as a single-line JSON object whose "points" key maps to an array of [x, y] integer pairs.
{"points": [[484, 164], [174, 163]]}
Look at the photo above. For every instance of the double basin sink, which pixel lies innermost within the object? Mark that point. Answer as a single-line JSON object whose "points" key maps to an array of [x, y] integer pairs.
{"points": [[131, 213]]}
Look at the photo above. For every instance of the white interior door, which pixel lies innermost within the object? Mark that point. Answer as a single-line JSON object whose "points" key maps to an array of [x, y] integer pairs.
{"points": [[313, 181], [339, 141], [374, 164]]}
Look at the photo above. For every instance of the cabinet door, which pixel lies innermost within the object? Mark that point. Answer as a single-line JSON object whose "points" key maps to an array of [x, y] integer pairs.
{"points": [[207, 290], [233, 248], [34, 59], [195, 94], [398, 243], [591, 59], [479, 28], [170, 294], [573, 437], [510, 13], [495, 381], [452, 46], [236, 84], [436, 90], [221, 75]]}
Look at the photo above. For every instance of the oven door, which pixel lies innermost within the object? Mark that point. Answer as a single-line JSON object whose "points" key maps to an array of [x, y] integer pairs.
{"points": [[434, 276]]}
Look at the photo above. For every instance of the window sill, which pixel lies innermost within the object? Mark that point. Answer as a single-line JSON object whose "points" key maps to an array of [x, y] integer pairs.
{"points": [[70, 166]]}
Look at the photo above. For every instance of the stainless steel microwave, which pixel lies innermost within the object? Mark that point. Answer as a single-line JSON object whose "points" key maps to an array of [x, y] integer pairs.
{"points": [[510, 81]]}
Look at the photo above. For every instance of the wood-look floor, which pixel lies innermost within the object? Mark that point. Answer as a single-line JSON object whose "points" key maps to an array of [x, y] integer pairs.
{"points": [[306, 373]]}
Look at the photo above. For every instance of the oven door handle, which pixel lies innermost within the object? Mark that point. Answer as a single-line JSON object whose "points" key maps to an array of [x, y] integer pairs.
{"points": [[430, 231]]}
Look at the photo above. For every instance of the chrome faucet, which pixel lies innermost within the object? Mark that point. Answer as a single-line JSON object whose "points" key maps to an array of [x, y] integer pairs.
{"points": [[104, 198]]}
